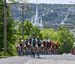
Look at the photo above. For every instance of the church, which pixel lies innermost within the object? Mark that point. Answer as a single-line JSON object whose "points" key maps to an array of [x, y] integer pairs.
{"points": [[36, 20]]}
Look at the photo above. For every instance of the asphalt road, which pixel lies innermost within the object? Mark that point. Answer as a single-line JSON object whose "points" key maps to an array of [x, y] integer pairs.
{"points": [[44, 59], [14, 60]]}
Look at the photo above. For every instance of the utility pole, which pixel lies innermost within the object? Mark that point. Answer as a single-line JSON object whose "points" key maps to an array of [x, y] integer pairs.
{"points": [[23, 8], [5, 27], [23, 23], [22, 13]]}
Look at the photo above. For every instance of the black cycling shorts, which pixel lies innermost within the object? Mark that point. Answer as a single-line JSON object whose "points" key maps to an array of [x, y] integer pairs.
{"points": [[39, 45], [34, 44]]}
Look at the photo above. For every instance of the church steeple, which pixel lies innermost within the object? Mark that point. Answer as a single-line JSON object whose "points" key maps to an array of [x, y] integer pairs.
{"points": [[37, 10], [36, 15], [41, 23], [37, 20]]}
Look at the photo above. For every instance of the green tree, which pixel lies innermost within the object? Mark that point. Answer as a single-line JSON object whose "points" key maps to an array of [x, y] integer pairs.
{"points": [[1, 24], [35, 32], [11, 38], [47, 34], [11, 49], [63, 36], [28, 28], [66, 39]]}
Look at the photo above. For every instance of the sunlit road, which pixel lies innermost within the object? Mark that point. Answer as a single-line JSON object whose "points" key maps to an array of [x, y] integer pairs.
{"points": [[44, 59]]}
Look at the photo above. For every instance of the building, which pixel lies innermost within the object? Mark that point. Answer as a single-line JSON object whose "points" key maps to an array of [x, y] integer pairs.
{"points": [[36, 20]]}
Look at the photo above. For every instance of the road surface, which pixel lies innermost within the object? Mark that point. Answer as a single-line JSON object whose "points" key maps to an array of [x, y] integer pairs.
{"points": [[44, 59], [14, 60]]}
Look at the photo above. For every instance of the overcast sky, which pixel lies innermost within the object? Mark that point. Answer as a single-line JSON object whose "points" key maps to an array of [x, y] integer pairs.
{"points": [[53, 1]]}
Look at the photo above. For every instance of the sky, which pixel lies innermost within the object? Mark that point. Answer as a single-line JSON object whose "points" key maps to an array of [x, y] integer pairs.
{"points": [[52, 1]]}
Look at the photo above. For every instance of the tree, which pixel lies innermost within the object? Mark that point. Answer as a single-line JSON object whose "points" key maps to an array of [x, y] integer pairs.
{"points": [[35, 32], [66, 39], [11, 49], [11, 38], [47, 34], [1, 24], [29, 30], [63, 36]]}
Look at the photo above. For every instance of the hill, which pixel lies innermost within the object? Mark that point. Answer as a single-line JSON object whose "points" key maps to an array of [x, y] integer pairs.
{"points": [[51, 13]]}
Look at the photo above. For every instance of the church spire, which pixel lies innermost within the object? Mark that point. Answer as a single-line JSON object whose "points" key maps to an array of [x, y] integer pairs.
{"points": [[37, 20], [41, 23], [36, 15], [37, 10]]}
